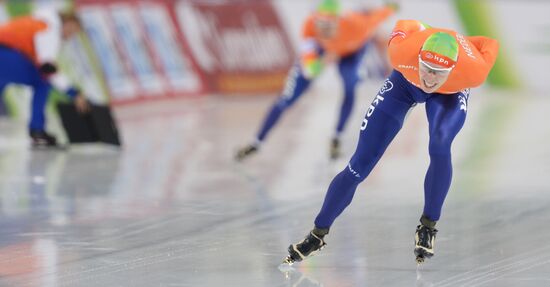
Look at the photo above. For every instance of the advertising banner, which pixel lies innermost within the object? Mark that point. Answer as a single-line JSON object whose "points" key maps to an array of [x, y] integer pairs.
{"points": [[119, 81], [131, 42], [240, 46], [168, 50], [139, 49]]}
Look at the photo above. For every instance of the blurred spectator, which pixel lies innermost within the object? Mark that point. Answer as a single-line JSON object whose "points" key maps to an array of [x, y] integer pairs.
{"points": [[329, 36], [29, 46]]}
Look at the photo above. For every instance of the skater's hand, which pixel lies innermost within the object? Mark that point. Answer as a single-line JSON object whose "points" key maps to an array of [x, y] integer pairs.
{"points": [[47, 69], [82, 105], [312, 69]]}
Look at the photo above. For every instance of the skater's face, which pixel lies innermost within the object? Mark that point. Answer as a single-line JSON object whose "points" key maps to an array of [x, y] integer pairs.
{"points": [[432, 76], [326, 26], [69, 29]]}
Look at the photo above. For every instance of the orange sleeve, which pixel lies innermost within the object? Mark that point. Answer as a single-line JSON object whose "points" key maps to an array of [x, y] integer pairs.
{"points": [[309, 58], [308, 29], [487, 47], [19, 34], [308, 53], [476, 59], [374, 18], [354, 30], [405, 42], [404, 28], [365, 24]]}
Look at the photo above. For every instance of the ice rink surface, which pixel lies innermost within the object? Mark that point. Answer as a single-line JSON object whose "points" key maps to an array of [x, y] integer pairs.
{"points": [[173, 209]]}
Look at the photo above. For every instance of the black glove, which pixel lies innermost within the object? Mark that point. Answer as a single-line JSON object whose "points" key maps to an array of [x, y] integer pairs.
{"points": [[48, 69]]}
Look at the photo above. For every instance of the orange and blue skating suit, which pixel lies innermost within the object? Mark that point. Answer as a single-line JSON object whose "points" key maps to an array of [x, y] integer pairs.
{"points": [[19, 34], [445, 111], [354, 30], [348, 46], [20, 61]]}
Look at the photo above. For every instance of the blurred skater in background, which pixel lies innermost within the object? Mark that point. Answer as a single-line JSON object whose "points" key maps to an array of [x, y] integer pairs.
{"points": [[433, 66], [29, 47], [329, 36]]}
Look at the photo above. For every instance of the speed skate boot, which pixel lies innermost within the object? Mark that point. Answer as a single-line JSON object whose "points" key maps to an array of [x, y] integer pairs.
{"points": [[41, 139], [307, 247], [335, 148], [246, 152], [424, 239]]}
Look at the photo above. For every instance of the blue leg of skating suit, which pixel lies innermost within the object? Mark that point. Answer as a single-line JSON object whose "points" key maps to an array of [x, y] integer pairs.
{"points": [[295, 86], [446, 116], [383, 121], [18, 69], [349, 72]]}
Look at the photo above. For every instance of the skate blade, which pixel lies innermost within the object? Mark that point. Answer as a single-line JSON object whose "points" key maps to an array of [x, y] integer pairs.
{"points": [[288, 261], [420, 260], [49, 148]]}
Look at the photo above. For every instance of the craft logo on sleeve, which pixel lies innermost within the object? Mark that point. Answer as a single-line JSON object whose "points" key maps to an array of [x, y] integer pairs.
{"points": [[464, 43]]}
